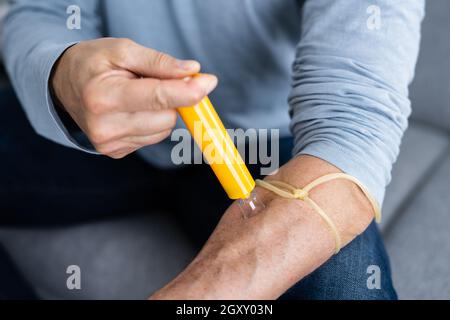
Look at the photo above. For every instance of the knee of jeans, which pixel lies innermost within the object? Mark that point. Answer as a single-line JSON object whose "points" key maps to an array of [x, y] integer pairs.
{"points": [[337, 284], [359, 271]]}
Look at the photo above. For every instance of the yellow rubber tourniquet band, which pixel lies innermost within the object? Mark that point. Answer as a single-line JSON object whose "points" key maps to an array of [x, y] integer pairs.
{"points": [[285, 190]]}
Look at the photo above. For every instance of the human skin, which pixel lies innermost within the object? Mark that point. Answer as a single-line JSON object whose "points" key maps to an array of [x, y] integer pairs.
{"points": [[263, 256], [124, 96]]}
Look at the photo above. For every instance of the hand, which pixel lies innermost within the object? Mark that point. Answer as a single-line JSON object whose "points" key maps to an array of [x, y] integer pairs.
{"points": [[263, 256], [122, 95]]}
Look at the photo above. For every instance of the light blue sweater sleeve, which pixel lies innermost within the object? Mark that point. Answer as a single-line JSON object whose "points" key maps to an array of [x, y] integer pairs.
{"points": [[349, 102], [44, 36]]}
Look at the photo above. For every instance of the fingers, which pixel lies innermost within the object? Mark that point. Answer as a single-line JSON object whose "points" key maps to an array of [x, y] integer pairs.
{"points": [[147, 62], [127, 94], [116, 126], [118, 94], [153, 95], [141, 141], [121, 148], [150, 122]]}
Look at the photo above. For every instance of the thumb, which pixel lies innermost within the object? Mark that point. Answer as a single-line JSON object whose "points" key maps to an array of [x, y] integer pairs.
{"points": [[151, 63]]}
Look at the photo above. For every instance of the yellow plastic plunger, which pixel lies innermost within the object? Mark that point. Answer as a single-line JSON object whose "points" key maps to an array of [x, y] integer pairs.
{"points": [[218, 149]]}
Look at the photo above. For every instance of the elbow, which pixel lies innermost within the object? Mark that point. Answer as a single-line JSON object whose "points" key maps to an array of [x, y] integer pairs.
{"points": [[354, 125]]}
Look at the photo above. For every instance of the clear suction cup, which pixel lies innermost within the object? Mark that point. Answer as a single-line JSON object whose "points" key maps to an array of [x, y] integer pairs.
{"points": [[251, 206]]}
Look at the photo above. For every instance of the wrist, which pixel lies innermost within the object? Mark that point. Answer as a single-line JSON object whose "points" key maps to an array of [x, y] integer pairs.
{"points": [[263, 256], [208, 277], [224, 269], [56, 80], [62, 83]]}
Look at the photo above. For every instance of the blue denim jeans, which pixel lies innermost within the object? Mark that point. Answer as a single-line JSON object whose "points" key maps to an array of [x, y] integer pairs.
{"points": [[46, 184]]}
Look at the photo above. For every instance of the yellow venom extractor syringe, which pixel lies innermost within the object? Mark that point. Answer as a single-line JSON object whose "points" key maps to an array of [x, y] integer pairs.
{"points": [[218, 149]]}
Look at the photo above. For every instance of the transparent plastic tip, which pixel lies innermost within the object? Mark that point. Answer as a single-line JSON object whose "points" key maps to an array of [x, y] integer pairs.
{"points": [[251, 206]]}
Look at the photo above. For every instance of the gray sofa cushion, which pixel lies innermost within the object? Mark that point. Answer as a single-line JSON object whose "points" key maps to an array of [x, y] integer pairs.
{"points": [[419, 240], [119, 259], [430, 91], [421, 147]]}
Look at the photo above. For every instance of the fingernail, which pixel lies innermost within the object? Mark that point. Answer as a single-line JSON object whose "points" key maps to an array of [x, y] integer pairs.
{"points": [[206, 82], [189, 65]]}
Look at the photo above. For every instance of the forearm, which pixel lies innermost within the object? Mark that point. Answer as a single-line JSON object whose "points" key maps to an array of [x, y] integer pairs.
{"points": [[261, 257]]}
